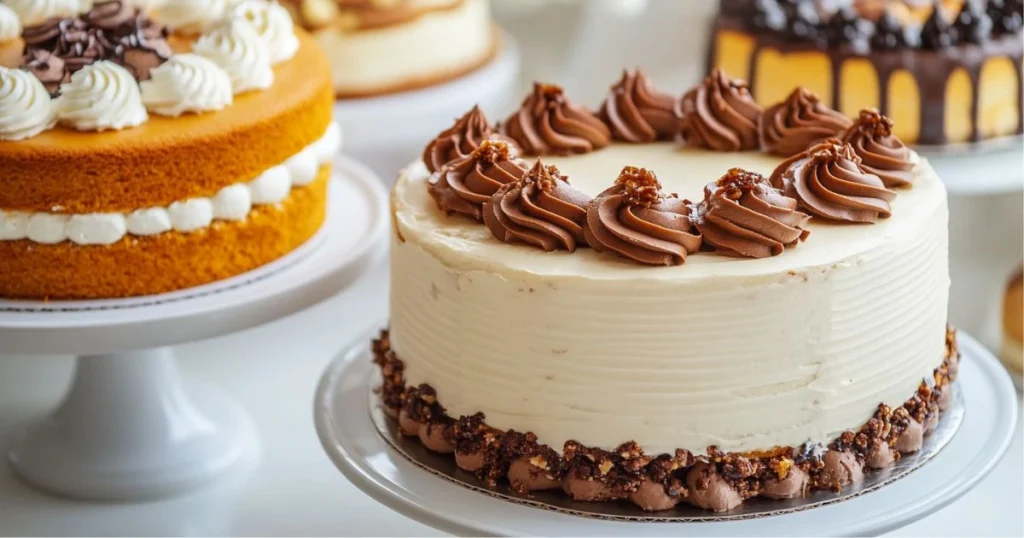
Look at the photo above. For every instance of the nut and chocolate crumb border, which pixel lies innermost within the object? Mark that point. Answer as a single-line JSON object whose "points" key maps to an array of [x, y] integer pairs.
{"points": [[622, 471]]}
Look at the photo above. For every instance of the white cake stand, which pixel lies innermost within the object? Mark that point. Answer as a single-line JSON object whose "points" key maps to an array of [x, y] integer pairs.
{"points": [[352, 442], [389, 131], [988, 167], [129, 427]]}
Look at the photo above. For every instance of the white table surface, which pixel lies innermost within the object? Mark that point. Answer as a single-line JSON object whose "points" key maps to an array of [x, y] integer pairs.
{"points": [[294, 490]]}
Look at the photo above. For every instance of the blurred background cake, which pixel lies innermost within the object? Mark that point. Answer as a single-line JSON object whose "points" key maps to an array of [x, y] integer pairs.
{"points": [[1013, 325], [385, 46], [946, 72]]}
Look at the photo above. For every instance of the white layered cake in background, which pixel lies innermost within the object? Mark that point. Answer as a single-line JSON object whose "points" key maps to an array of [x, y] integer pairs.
{"points": [[379, 47], [668, 299]]}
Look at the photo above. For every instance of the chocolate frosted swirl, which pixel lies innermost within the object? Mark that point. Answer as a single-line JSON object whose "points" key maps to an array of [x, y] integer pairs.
{"points": [[464, 185], [541, 209], [719, 114], [636, 112], [459, 140], [548, 123], [829, 181], [791, 126], [744, 215], [635, 220], [880, 151]]}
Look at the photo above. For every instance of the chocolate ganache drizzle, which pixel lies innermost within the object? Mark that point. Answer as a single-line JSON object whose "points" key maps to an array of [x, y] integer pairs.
{"points": [[459, 140], [464, 185], [719, 114], [881, 152], [541, 209], [829, 181], [548, 123], [634, 219], [744, 215], [637, 112], [789, 127]]}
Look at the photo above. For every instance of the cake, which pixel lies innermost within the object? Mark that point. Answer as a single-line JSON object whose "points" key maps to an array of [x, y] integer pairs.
{"points": [[945, 72], [138, 161], [1013, 324], [652, 302], [378, 47]]}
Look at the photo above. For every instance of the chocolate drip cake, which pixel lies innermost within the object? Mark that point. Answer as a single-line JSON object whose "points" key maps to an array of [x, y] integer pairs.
{"points": [[670, 298], [946, 72]]}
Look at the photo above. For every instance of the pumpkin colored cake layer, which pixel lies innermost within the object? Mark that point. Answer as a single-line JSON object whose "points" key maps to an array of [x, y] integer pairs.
{"points": [[144, 152]]}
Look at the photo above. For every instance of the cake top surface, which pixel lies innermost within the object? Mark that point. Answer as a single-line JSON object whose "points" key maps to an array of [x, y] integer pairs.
{"points": [[463, 242]]}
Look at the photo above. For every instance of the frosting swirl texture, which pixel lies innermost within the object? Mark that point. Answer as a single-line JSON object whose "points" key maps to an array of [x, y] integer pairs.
{"points": [[548, 123], [25, 106], [186, 83], [829, 182], [636, 112], [235, 46], [10, 24], [273, 24], [634, 219], [33, 12], [881, 152], [719, 114], [101, 96], [541, 209], [789, 127], [191, 16], [459, 140], [744, 215], [463, 186]]}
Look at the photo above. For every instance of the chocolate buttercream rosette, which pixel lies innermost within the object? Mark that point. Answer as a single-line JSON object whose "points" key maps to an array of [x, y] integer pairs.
{"points": [[548, 123], [791, 126], [744, 215], [882, 153], [829, 182], [464, 185], [637, 112], [541, 210], [459, 140], [636, 220], [719, 114]]}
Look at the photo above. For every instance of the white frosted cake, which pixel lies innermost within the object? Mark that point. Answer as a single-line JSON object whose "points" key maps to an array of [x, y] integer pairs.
{"points": [[777, 327]]}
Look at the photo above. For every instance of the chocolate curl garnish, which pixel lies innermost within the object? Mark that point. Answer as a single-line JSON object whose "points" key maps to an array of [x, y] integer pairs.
{"points": [[541, 209], [881, 152], [140, 55], [43, 35], [548, 123], [48, 68], [111, 15], [743, 215], [79, 45], [464, 185], [636, 220], [459, 140], [719, 114], [636, 112], [829, 182], [791, 126]]}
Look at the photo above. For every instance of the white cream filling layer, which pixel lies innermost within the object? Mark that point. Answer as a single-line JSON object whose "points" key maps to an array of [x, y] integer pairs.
{"points": [[740, 353], [232, 203]]}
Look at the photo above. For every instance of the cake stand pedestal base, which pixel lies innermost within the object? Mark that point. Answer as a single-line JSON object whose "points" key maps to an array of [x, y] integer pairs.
{"points": [[129, 427]]}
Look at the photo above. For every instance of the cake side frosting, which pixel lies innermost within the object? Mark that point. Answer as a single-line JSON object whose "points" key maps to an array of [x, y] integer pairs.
{"points": [[754, 353]]}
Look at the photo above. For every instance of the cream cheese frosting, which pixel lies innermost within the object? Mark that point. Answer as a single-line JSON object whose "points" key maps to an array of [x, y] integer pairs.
{"points": [[186, 83], [744, 354], [231, 203], [235, 46], [10, 24], [273, 24], [101, 96], [25, 106]]}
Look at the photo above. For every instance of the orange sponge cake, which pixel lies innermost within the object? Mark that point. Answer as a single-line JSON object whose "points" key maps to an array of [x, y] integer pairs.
{"points": [[132, 167]]}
